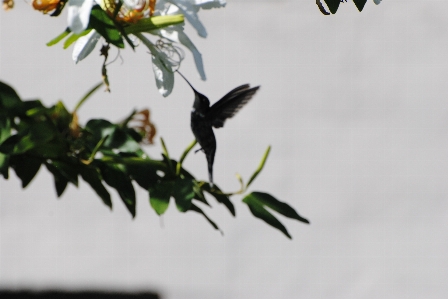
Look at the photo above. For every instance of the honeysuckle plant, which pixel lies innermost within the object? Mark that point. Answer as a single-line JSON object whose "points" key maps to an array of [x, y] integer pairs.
{"points": [[106, 153]]}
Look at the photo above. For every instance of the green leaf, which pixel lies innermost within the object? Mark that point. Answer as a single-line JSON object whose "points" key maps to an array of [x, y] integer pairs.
{"points": [[144, 174], [58, 38], [60, 181], [360, 4], [159, 196], [257, 202], [219, 196], [183, 193], [67, 170], [118, 139], [93, 177], [333, 5], [157, 22], [5, 132], [103, 24], [40, 133], [199, 210], [115, 176], [7, 146], [199, 194], [26, 168], [53, 149], [260, 167], [74, 37], [9, 100], [276, 205]]}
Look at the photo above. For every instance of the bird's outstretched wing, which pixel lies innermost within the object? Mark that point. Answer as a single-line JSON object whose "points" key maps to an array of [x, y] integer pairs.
{"points": [[230, 104]]}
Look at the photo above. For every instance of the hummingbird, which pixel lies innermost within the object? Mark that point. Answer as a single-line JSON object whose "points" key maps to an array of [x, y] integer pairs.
{"points": [[204, 117]]}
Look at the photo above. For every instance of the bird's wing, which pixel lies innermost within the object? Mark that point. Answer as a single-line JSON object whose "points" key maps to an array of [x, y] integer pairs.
{"points": [[230, 104]]}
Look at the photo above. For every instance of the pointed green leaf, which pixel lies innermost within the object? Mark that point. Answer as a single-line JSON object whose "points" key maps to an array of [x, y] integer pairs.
{"points": [[115, 176], [333, 5], [60, 181], [219, 196], [260, 212], [93, 177], [26, 168], [66, 170], [9, 100], [144, 174], [8, 145], [74, 37], [199, 210], [58, 38], [360, 4], [276, 205], [183, 193], [260, 167], [159, 196], [103, 24], [257, 202]]}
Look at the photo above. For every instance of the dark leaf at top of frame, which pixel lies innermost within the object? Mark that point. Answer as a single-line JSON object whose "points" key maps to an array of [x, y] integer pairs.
{"points": [[360, 4], [103, 24], [333, 5], [26, 168], [115, 176]]}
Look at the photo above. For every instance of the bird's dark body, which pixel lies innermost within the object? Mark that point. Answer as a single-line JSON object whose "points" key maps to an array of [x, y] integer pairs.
{"points": [[204, 117], [202, 130]]}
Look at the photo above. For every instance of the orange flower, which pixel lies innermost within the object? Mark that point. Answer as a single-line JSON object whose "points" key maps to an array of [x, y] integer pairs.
{"points": [[46, 6], [131, 11], [8, 4]]}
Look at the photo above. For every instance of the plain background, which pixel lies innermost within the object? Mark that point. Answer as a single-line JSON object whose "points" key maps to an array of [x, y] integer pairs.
{"points": [[355, 108]]}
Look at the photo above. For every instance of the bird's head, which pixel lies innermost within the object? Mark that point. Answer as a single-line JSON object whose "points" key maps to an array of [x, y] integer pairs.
{"points": [[201, 102]]}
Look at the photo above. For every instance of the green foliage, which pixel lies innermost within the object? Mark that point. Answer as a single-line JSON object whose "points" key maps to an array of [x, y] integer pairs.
{"points": [[104, 153]]}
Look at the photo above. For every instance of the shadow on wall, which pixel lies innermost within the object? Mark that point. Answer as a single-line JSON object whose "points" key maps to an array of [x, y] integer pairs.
{"points": [[75, 295]]}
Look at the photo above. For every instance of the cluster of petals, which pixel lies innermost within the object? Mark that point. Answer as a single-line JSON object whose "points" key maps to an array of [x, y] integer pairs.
{"points": [[132, 11]]}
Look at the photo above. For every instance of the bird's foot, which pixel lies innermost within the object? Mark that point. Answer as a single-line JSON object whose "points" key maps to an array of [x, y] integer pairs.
{"points": [[201, 149]]}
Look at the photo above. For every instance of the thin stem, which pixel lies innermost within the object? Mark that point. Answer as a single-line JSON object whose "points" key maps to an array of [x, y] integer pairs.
{"points": [[87, 96]]}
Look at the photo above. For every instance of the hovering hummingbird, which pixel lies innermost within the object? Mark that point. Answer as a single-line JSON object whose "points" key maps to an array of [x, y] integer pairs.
{"points": [[204, 117]]}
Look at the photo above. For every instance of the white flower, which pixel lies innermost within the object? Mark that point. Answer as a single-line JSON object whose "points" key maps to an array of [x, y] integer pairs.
{"points": [[85, 45], [189, 8], [79, 15]]}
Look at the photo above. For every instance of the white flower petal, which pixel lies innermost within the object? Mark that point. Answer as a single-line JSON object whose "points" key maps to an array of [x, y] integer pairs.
{"points": [[207, 4], [189, 10], [85, 45], [79, 14], [176, 34], [164, 77]]}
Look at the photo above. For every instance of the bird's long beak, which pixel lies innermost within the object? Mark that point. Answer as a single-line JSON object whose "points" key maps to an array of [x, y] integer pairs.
{"points": [[187, 81]]}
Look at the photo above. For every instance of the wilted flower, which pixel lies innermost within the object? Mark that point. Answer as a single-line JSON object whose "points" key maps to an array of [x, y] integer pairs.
{"points": [[45, 6], [8, 4]]}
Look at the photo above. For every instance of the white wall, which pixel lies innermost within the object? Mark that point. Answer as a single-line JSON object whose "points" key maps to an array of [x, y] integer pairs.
{"points": [[354, 106]]}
